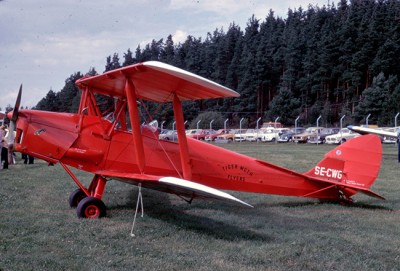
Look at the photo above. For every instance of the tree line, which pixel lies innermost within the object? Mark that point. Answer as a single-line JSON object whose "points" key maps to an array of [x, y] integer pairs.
{"points": [[325, 61]]}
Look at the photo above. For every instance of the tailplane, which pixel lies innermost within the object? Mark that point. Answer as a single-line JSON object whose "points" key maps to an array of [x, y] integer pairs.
{"points": [[351, 167]]}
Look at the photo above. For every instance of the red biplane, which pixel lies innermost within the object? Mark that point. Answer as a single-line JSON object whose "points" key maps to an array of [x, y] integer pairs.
{"points": [[113, 144]]}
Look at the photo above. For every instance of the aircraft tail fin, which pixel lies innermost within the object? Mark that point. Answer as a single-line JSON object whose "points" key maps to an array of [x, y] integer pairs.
{"points": [[352, 167]]}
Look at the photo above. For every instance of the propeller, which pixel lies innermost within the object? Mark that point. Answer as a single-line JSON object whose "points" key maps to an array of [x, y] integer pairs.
{"points": [[14, 117]]}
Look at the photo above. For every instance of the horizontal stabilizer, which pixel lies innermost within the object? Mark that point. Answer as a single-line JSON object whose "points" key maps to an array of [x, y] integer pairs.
{"points": [[357, 188]]}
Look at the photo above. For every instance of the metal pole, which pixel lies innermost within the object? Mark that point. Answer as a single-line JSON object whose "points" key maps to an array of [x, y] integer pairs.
{"points": [[240, 129], [197, 127], [276, 139], [211, 125], [341, 126], [225, 123], [395, 119], [162, 124], [341, 121], [318, 127], [295, 123], [276, 120], [258, 120], [366, 120]]}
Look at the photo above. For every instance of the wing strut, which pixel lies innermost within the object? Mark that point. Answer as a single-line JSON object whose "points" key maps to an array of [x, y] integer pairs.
{"points": [[135, 122], [183, 145]]}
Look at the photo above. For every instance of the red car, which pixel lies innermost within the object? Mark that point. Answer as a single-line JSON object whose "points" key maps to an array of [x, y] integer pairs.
{"points": [[213, 136], [199, 134]]}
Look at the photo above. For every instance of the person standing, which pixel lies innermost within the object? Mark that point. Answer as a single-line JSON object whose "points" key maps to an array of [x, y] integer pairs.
{"points": [[10, 147], [4, 147]]}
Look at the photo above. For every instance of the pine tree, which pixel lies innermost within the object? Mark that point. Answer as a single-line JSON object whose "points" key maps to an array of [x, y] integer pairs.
{"points": [[112, 63], [49, 103], [285, 106], [128, 58]]}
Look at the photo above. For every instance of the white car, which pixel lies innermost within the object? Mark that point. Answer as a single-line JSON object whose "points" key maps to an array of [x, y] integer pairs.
{"points": [[342, 136], [272, 135], [253, 135], [242, 135], [171, 135], [389, 139]]}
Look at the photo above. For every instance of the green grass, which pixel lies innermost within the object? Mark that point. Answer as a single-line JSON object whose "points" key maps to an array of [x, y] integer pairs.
{"points": [[38, 230]]}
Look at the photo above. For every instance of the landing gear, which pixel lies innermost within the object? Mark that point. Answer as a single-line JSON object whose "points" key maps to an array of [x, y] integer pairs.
{"points": [[75, 197], [88, 201], [91, 207], [345, 200]]}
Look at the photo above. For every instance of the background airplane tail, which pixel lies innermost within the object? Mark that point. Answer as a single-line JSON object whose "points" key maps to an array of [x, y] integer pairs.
{"points": [[352, 166]]}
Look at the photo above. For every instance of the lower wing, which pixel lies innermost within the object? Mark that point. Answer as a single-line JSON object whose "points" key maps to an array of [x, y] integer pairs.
{"points": [[172, 185]]}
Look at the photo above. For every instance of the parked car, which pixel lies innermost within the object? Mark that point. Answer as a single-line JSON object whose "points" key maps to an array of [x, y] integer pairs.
{"points": [[199, 134], [320, 137], [303, 137], [168, 135], [229, 137], [388, 139], [215, 134], [253, 135], [241, 134], [342, 136], [287, 136], [272, 134]]}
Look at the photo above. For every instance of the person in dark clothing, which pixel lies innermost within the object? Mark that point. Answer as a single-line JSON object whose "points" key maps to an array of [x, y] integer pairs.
{"points": [[28, 159]]}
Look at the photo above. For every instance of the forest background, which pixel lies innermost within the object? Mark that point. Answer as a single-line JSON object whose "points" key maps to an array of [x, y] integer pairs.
{"points": [[334, 61]]}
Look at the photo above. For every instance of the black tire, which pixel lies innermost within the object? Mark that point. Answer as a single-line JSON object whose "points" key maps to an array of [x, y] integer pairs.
{"points": [[75, 197], [91, 207], [342, 141]]}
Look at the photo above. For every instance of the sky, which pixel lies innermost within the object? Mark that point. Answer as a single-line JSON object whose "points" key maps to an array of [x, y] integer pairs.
{"points": [[43, 42]]}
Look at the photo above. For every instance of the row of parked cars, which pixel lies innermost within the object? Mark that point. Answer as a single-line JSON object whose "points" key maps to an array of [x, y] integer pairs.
{"points": [[315, 135]]}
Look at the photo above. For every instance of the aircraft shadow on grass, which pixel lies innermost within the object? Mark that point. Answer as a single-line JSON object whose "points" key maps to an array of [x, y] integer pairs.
{"points": [[295, 204], [158, 206]]}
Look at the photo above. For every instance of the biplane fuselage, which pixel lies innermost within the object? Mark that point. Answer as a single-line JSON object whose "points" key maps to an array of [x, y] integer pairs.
{"points": [[87, 143], [113, 144]]}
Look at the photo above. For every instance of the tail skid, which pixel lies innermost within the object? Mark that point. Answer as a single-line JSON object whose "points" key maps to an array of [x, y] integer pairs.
{"points": [[350, 168]]}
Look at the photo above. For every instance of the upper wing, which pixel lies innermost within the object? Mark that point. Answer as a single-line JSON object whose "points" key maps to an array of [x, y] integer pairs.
{"points": [[172, 185], [156, 81]]}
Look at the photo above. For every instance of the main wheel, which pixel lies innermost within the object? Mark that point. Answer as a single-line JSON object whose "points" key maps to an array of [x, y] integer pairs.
{"points": [[75, 197], [91, 207]]}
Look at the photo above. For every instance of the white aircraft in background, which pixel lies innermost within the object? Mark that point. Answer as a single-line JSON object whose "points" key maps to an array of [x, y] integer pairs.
{"points": [[392, 133]]}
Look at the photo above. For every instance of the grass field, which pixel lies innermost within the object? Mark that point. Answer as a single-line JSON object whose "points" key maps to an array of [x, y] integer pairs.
{"points": [[38, 230]]}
